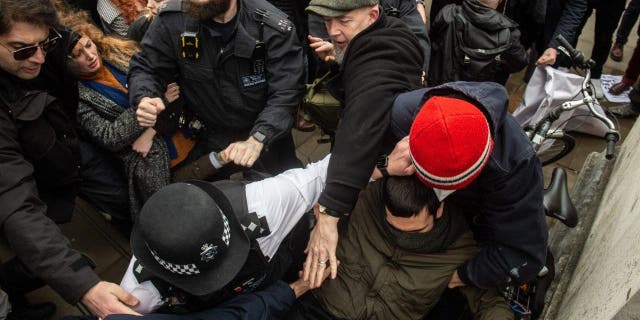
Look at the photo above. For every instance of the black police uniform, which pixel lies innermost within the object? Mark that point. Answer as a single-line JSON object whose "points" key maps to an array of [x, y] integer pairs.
{"points": [[241, 78]]}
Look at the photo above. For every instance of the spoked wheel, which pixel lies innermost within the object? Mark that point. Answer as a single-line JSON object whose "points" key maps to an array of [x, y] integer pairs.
{"points": [[560, 145]]}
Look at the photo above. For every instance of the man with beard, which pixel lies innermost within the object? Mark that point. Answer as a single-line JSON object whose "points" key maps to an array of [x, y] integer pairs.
{"points": [[406, 10], [378, 57], [240, 69]]}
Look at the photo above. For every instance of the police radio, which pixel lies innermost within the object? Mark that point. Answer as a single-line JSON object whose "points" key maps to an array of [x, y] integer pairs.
{"points": [[257, 58], [190, 45]]}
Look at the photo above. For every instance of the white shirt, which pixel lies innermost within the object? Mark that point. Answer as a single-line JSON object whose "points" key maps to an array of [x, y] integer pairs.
{"points": [[282, 200]]}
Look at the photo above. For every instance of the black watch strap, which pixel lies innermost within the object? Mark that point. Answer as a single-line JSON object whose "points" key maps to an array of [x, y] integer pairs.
{"points": [[330, 212], [382, 163]]}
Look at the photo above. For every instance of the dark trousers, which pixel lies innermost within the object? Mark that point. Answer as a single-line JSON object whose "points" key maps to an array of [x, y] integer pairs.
{"points": [[307, 307], [103, 184], [629, 18], [607, 16]]}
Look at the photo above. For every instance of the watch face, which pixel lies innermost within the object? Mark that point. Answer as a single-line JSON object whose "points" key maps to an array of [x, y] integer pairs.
{"points": [[259, 136], [382, 161]]}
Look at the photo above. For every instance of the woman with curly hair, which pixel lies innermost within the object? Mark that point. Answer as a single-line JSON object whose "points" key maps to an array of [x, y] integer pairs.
{"points": [[104, 112]]}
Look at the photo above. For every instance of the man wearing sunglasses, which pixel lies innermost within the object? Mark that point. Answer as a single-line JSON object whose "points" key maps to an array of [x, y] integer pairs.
{"points": [[38, 152], [28, 61]]}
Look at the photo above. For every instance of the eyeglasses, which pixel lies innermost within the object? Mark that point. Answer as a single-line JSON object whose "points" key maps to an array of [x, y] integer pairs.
{"points": [[27, 52]]}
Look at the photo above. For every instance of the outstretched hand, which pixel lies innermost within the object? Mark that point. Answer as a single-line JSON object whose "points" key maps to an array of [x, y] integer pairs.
{"points": [[321, 249], [300, 286], [107, 298], [548, 57]]}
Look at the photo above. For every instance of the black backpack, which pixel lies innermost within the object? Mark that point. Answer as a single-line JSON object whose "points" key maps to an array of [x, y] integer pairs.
{"points": [[465, 52]]}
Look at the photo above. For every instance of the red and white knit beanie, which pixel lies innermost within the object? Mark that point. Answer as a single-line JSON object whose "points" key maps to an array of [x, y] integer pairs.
{"points": [[450, 143]]}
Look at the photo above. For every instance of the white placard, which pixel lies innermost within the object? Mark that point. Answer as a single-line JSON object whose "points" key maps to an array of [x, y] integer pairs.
{"points": [[607, 81]]}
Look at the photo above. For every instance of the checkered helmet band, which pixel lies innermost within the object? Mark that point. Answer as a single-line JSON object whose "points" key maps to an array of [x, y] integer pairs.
{"points": [[181, 269], [226, 233]]}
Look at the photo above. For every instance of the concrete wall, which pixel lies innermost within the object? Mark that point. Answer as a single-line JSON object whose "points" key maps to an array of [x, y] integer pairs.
{"points": [[607, 274]]}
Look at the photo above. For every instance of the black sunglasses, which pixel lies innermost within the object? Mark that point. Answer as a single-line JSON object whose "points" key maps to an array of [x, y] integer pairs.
{"points": [[27, 52]]}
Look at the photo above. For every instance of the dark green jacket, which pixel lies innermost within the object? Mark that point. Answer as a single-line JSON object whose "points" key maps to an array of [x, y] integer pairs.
{"points": [[378, 280]]}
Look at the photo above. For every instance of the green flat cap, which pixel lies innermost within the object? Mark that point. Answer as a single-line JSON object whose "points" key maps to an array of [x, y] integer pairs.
{"points": [[336, 8]]}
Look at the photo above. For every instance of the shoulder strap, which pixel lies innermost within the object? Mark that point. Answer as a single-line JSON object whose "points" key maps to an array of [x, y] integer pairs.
{"points": [[274, 20], [254, 226]]}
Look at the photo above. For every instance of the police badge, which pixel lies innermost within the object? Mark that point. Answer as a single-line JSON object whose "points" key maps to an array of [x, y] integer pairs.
{"points": [[208, 253]]}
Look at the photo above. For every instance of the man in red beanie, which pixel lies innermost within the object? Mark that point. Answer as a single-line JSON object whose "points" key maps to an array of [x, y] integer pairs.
{"points": [[465, 145]]}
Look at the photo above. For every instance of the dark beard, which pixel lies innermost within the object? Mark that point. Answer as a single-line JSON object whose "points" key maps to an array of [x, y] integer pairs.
{"points": [[209, 10]]}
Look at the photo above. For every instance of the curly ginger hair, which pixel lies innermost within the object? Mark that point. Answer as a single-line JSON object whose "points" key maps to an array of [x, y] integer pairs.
{"points": [[110, 48]]}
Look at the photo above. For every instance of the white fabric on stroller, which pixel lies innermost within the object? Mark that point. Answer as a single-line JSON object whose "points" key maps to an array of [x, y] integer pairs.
{"points": [[549, 88]]}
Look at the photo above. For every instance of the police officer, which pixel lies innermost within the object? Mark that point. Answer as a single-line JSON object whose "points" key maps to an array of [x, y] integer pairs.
{"points": [[240, 69], [228, 238]]}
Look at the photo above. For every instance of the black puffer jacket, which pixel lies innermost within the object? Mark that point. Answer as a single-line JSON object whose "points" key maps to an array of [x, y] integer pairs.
{"points": [[380, 62]]}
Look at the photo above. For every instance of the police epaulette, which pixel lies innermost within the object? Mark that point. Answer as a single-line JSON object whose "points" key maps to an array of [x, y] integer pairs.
{"points": [[274, 20], [171, 6]]}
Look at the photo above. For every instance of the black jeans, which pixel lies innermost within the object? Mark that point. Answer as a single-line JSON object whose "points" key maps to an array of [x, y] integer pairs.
{"points": [[629, 18], [607, 16]]}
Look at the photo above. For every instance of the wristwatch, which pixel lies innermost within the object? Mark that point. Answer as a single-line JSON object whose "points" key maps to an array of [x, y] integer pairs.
{"points": [[329, 212], [259, 136], [382, 163]]}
